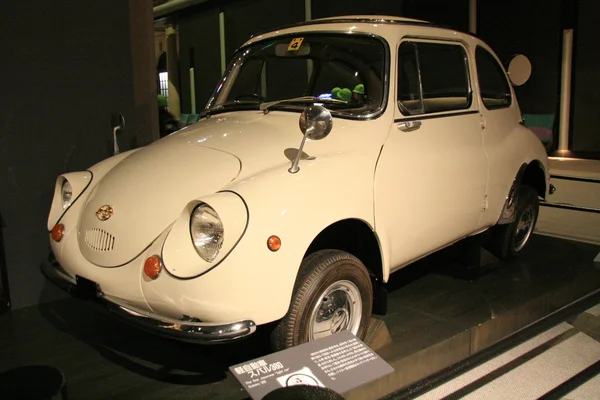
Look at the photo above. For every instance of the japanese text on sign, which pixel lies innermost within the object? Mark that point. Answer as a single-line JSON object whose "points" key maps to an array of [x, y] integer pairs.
{"points": [[342, 356], [258, 368]]}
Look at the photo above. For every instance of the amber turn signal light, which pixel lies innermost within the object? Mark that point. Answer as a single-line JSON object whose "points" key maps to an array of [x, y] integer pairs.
{"points": [[152, 267], [274, 243], [57, 232]]}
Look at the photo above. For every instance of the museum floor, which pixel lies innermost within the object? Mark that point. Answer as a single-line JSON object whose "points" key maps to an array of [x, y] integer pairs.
{"points": [[560, 362], [445, 321]]}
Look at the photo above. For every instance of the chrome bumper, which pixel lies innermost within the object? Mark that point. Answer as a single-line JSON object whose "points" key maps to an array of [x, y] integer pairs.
{"points": [[187, 329]]}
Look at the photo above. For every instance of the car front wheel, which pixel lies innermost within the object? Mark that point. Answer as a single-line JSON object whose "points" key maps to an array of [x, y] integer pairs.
{"points": [[332, 293]]}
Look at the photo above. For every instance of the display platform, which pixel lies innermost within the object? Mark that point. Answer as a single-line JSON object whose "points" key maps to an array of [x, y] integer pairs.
{"points": [[441, 310]]}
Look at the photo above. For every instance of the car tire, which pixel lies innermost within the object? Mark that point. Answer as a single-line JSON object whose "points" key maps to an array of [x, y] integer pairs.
{"points": [[507, 241], [333, 292]]}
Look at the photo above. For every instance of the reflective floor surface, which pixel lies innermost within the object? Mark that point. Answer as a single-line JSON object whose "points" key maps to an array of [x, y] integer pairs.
{"points": [[440, 312], [562, 361]]}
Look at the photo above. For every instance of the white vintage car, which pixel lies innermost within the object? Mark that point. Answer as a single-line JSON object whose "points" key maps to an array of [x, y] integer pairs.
{"points": [[247, 218]]}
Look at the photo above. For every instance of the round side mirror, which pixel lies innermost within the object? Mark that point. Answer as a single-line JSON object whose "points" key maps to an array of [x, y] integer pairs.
{"points": [[519, 70], [316, 122], [118, 121]]}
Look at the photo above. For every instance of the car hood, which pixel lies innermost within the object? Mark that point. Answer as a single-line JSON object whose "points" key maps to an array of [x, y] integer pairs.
{"points": [[261, 141], [147, 191], [141, 196]]}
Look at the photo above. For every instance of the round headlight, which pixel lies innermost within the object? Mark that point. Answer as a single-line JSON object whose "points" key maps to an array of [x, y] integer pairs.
{"points": [[206, 229], [66, 194]]}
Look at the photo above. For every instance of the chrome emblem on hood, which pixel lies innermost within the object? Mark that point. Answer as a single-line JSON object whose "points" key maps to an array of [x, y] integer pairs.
{"points": [[105, 212]]}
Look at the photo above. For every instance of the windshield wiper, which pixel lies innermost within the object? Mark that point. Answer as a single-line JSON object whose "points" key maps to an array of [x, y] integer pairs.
{"points": [[232, 105], [305, 99]]}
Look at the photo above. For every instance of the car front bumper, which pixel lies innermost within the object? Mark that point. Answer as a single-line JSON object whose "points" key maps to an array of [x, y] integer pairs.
{"points": [[186, 329]]}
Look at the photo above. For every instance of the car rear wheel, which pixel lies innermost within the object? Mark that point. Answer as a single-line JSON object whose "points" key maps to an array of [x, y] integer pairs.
{"points": [[332, 293], [509, 240]]}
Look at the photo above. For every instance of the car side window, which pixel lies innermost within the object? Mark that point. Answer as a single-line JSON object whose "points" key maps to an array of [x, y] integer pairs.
{"points": [[424, 86], [493, 85], [409, 80]]}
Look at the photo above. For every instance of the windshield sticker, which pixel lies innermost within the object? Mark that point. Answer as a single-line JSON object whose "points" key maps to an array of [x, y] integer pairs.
{"points": [[295, 44]]}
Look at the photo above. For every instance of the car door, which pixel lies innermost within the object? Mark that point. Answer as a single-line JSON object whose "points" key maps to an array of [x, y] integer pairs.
{"points": [[502, 138], [430, 179]]}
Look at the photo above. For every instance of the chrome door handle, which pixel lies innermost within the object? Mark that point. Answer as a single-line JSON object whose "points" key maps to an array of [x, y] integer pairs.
{"points": [[408, 125]]}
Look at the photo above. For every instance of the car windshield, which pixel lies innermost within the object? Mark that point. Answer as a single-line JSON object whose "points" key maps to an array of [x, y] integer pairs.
{"points": [[343, 72]]}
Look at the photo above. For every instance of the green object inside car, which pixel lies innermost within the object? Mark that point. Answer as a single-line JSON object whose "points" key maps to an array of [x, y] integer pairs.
{"points": [[162, 100]]}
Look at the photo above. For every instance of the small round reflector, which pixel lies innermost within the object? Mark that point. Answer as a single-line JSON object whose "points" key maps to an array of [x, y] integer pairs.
{"points": [[274, 243], [57, 232], [152, 267]]}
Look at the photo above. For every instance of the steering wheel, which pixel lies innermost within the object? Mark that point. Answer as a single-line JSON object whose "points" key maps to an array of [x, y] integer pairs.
{"points": [[252, 96]]}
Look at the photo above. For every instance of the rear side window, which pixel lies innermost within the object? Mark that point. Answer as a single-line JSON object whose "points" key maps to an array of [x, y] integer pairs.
{"points": [[493, 84], [432, 77]]}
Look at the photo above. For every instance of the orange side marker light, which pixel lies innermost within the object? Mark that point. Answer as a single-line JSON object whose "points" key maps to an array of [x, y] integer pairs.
{"points": [[152, 267], [57, 232], [274, 243]]}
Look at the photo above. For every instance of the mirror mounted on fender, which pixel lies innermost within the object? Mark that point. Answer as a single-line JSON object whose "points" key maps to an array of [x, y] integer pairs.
{"points": [[519, 70], [118, 124], [315, 124]]}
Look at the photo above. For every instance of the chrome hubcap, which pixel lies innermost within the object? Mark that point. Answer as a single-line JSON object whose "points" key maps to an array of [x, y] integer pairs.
{"points": [[524, 229], [339, 308]]}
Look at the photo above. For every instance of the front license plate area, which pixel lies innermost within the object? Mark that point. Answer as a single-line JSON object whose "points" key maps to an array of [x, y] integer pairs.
{"points": [[86, 289]]}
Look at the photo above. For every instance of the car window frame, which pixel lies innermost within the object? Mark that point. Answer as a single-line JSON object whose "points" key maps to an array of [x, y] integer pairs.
{"points": [[467, 67], [504, 74]]}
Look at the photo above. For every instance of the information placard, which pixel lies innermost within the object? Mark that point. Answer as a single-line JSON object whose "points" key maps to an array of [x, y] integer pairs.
{"points": [[340, 362]]}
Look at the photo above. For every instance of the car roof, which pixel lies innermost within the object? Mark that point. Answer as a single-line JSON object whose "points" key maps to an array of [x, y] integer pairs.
{"points": [[367, 18], [380, 19], [372, 20]]}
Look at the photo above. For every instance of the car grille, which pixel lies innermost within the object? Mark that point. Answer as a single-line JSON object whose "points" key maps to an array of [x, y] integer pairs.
{"points": [[99, 240]]}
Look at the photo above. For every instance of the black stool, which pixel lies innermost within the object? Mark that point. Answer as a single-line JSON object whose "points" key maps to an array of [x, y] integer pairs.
{"points": [[303, 392], [35, 382]]}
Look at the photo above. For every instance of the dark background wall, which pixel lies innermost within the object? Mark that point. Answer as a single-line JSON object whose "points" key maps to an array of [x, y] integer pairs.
{"points": [[586, 94], [199, 46], [4, 289], [533, 28], [331, 8], [67, 67], [454, 13], [266, 15]]}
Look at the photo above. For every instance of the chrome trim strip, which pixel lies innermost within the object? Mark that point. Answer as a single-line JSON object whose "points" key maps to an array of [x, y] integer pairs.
{"points": [[434, 116], [565, 206], [574, 178], [209, 331], [186, 329]]}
